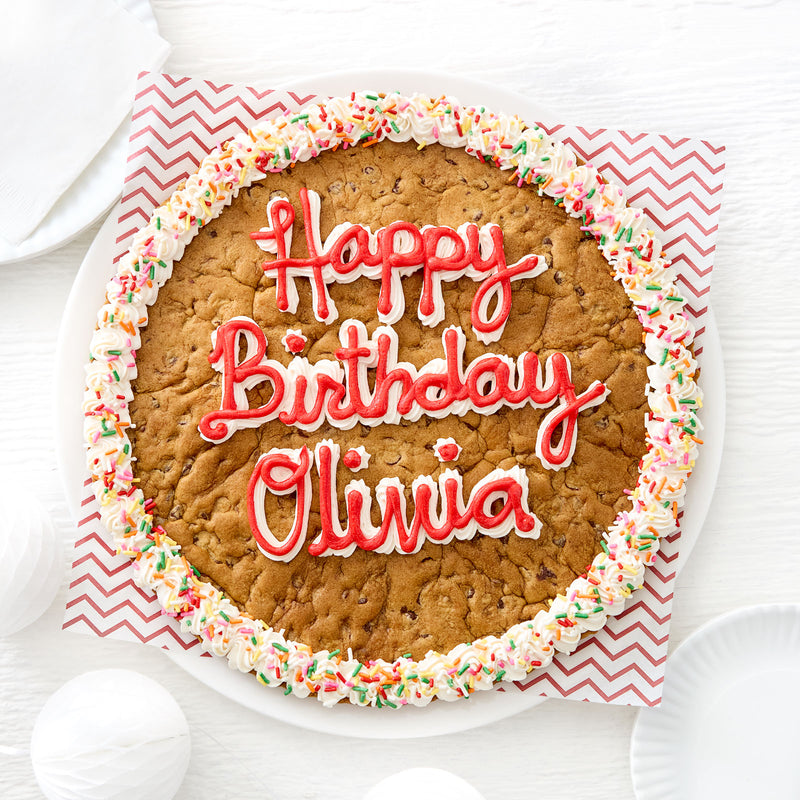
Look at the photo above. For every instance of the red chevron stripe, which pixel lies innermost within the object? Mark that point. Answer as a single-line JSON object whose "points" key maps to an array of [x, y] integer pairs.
{"points": [[128, 234], [144, 638], [695, 291], [139, 190], [125, 604], [173, 81], [301, 99], [94, 515], [136, 211], [94, 538], [149, 154], [686, 216], [673, 144], [715, 150], [701, 273], [638, 629], [129, 584], [665, 599], [194, 117], [658, 155], [196, 96], [654, 570], [590, 135], [668, 558], [143, 170], [588, 682], [650, 174], [616, 655], [87, 500], [220, 89], [696, 313], [214, 131], [689, 197], [642, 605], [168, 144], [100, 565], [152, 88], [633, 138], [260, 95], [684, 237], [595, 665]]}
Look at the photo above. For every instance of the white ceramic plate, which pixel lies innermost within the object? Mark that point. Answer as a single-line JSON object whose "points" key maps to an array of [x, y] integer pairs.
{"points": [[729, 722], [94, 191], [439, 718]]}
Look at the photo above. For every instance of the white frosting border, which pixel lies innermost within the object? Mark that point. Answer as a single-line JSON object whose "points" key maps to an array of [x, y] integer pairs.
{"points": [[630, 544]]}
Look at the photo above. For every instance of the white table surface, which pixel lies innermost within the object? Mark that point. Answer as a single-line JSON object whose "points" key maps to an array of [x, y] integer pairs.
{"points": [[727, 72]]}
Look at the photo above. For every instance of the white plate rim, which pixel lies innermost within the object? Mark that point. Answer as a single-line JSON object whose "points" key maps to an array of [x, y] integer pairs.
{"points": [[93, 192], [439, 718], [649, 737]]}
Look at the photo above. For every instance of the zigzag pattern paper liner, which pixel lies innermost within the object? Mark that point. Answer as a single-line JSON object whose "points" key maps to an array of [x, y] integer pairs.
{"points": [[677, 181]]}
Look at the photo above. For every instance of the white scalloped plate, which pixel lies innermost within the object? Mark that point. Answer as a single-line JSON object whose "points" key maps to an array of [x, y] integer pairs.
{"points": [[729, 722], [438, 718]]}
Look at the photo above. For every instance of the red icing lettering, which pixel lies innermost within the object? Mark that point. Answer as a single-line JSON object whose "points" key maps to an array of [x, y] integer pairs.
{"points": [[281, 472], [393, 252], [339, 392], [439, 521], [238, 377], [352, 459]]}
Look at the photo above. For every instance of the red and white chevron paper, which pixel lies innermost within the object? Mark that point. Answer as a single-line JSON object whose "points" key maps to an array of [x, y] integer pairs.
{"points": [[677, 181]]}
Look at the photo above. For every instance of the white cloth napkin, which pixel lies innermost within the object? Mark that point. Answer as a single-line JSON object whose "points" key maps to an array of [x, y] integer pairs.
{"points": [[67, 77]]}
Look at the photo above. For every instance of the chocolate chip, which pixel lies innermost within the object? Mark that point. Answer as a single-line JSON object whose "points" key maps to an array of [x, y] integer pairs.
{"points": [[544, 574]]}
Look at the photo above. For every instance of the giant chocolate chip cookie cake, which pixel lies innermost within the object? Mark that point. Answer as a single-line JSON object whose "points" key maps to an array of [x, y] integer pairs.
{"points": [[406, 418]]}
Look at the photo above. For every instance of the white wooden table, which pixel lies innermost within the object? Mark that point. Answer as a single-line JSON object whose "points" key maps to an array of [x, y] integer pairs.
{"points": [[727, 72]]}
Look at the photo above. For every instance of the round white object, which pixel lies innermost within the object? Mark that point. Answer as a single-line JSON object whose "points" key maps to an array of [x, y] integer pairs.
{"points": [[423, 783], [728, 721], [112, 734], [31, 559]]}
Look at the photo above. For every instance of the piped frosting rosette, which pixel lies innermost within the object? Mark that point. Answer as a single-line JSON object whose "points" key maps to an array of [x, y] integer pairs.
{"points": [[629, 245]]}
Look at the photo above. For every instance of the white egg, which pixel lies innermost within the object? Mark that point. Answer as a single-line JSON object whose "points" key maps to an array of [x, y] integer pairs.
{"points": [[110, 735], [32, 561], [423, 783]]}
